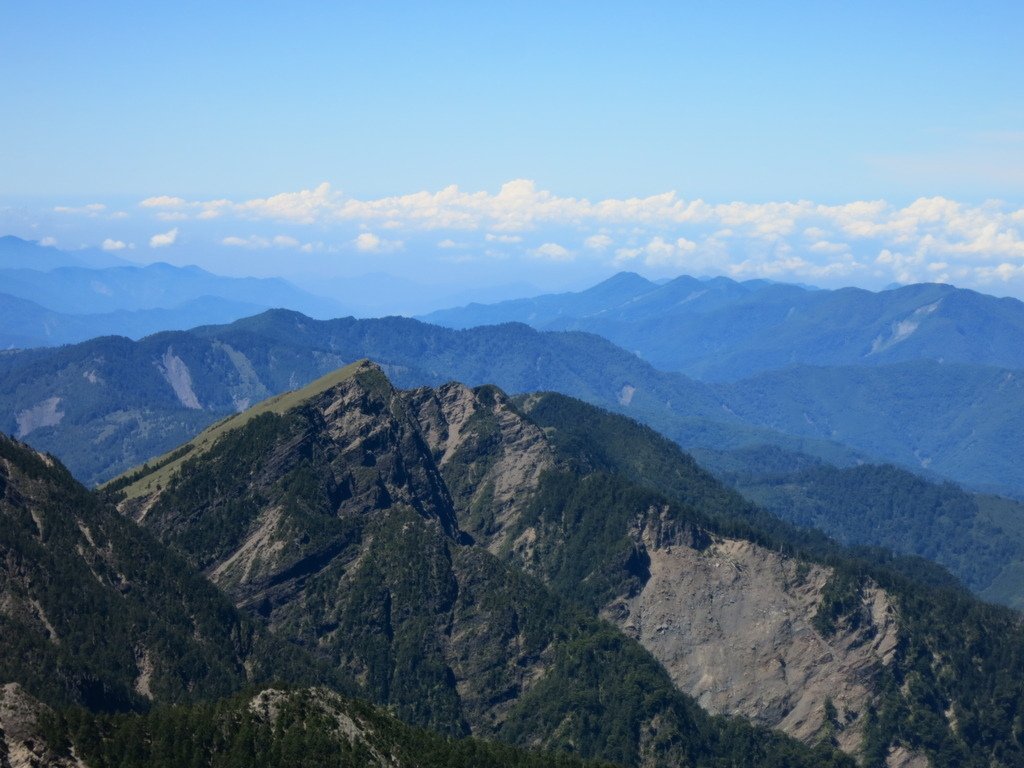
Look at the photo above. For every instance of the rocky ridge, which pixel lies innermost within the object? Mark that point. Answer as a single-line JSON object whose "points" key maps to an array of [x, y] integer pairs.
{"points": [[22, 744], [731, 621]]}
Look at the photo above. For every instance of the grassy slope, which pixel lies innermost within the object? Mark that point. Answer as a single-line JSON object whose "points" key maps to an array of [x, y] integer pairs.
{"points": [[158, 472]]}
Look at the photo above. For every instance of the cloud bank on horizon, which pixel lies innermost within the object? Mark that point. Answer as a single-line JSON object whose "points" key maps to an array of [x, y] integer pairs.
{"points": [[863, 242]]}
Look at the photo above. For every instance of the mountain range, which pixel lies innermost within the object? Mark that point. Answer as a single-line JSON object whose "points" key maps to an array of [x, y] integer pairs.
{"points": [[531, 570], [722, 330], [286, 537], [326, 520], [50, 297], [17, 253], [106, 404]]}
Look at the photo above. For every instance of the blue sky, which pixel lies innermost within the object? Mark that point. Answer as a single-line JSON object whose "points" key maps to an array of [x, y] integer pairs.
{"points": [[838, 104]]}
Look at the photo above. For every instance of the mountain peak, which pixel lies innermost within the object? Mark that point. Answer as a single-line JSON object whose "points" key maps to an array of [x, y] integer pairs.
{"points": [[621, 284], [152, 476], [627, 278], [330, 460]]}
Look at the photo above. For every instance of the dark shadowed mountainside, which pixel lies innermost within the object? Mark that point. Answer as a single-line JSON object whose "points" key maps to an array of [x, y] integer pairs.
{"points": [[94, 611]]}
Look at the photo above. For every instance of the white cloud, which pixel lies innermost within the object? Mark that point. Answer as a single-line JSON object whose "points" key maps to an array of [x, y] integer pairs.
{"points": [[660, 253], [824, 246], [48, 241], [164, 239], [165, 201], [259, 242], [113, 245], [664, 231], [624, 255], [303, 207], [1004, 272], [367, 242], [520, 206], [92, 209], [212, 209], [552, 251], [901, 267], [178, 208], [253, 241]]}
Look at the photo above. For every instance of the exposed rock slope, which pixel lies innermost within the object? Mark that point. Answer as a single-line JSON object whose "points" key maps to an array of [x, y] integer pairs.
{"points": [[22, 744], [733, 623], [752, 616], [491, 457]]}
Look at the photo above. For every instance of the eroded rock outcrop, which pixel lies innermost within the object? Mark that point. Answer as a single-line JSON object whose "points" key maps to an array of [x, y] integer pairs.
{"points": [[733, 623], [491, 456], [22, 744]]}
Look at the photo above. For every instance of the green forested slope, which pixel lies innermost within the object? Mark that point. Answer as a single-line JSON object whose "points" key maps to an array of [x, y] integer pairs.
{"points": [[978, 538], [956, 421], [278, 729], [97, 612]]}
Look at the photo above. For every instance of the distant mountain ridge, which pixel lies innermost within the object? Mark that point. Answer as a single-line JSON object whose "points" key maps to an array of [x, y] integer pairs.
{"points": [[50, 297], [78, 290], [26, 324], [959, 421], [109, 403], [17, 253], [720, 329]]}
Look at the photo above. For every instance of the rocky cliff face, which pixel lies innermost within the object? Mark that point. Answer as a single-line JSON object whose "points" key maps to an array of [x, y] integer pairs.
{"points": [[294, 492], [733, 623], [22, 744], [491, 456]]}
